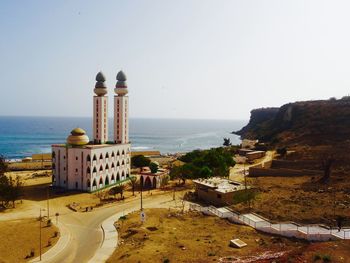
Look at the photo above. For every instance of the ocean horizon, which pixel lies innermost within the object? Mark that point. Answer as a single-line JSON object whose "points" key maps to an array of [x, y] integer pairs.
{"points": [[22, 136]]}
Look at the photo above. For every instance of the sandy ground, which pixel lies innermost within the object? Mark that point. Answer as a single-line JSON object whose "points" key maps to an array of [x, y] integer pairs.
{"points": [[19, 237], [190, 237]]}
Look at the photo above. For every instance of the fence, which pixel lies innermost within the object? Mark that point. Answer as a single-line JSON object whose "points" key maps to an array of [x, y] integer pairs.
{"points": [[288, 229]]}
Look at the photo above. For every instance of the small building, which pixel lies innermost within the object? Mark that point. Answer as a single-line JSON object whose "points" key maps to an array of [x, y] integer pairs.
{"points": [[251, 156], [218, 191], [149, 180], [243, 152]]}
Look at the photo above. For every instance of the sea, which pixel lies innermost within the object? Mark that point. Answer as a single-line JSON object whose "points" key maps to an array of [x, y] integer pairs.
{"points": [[23, 136]]}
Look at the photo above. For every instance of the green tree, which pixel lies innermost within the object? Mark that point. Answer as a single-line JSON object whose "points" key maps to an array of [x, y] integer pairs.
{"points": [[139, 161], [133, 182], [154, 167], [227, 142], [118, 189]]}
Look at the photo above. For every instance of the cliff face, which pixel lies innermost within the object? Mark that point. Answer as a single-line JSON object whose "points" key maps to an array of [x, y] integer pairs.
{"points": [[308, 122]]}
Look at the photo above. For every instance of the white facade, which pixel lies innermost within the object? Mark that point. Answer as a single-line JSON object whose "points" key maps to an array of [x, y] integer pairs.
{"points": [[121, 120], [90, 166], [100, 119]]}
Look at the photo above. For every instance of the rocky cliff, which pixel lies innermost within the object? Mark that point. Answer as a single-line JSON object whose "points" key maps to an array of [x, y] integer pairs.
{"points": [[309, 122]]}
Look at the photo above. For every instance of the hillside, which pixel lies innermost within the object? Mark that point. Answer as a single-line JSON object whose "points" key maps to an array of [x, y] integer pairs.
{"points": [[321, 122]]}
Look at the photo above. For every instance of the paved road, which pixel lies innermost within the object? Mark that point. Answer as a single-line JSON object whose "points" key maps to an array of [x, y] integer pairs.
{"points": [[85, 228]]}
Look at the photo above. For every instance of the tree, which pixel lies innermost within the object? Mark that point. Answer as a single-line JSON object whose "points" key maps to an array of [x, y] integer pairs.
{"points": [[133, 182], [154, 167], [205, 172], [227, 142], [139, 161], [15, 190], [10, 189], [118, 189]]}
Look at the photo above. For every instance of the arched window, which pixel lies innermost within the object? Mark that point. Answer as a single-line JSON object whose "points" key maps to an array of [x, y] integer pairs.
{"points": [[88, 183], [94, 158], [123, 162], [101, 181], [101, 156], [107, 167], [94, 183], [118, 153], [107, 155], [94, 170], [112, 166], [88, 158], [123, 174], [123, 152], [118, 163], [112, 179], [112, 154], [118, 177], [88, 170], [106, 181], [101, 168]]}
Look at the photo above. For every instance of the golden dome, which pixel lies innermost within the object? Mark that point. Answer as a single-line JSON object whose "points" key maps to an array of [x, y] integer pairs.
{"points": [[78, 137]]}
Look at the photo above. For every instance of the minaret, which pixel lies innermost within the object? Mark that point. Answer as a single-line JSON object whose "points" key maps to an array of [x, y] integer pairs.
{"points": [[100, 120], [121, 112]]}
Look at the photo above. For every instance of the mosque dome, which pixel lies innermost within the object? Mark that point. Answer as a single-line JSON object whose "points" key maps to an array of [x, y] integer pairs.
{"points": [[100, 86], [78, 137], [121, 88]]}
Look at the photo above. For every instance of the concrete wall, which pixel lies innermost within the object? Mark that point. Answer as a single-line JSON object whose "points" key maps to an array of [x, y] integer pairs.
{"points": [[303, 164], [257, 172]]}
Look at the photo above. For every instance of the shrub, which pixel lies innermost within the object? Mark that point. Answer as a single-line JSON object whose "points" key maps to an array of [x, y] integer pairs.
{"points": [[317, 257], [166, 260], [326, 258]]}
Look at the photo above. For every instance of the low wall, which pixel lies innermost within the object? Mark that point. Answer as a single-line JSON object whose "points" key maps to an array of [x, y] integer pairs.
{"points": [[260, 172], [302, 164]]}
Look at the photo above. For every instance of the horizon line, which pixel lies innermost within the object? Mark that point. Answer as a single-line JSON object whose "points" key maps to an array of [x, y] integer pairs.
{"points": [[156, 118]]}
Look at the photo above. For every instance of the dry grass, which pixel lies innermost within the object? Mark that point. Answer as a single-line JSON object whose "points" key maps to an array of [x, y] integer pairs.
{"points": [[299, 199], [19, 237], [191, 237], [20, 166]]}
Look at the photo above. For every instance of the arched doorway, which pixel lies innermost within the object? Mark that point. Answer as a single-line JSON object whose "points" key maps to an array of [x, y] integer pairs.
{"points": [[118, 177], [154, 182], [107, 180], [148, 183]]}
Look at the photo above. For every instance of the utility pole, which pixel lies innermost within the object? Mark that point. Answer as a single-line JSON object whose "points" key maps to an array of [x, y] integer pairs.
{"points": [[48, 205], [40, 235], [141, 192]]}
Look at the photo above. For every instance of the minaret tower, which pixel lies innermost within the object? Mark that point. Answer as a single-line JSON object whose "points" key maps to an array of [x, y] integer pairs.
{"points": [[100, 119], [121, 112]]}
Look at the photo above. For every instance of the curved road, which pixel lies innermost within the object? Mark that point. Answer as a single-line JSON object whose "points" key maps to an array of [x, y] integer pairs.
{"points": [[85, 230]]}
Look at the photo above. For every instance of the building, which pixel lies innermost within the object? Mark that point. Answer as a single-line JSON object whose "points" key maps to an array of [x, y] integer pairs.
{"points": [[86, 165], [151, 180], [251, 156], [218, 191]]}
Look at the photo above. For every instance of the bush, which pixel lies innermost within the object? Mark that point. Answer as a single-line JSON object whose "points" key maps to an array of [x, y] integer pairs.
{"points": [[326, 258], [317, 257], [166, 260]]}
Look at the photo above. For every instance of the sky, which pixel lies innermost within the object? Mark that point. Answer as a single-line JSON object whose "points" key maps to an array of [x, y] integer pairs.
{"points": [[207, 59]]}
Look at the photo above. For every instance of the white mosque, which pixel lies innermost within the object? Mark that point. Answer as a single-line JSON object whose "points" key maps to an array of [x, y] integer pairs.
{"points": [[86, 165]]}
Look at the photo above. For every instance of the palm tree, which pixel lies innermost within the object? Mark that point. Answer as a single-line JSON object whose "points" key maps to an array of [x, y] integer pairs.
{"points": [[133, 182]]}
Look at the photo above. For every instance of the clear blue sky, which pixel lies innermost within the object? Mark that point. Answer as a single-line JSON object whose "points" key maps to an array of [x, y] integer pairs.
{"points": [[183, 59]]}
